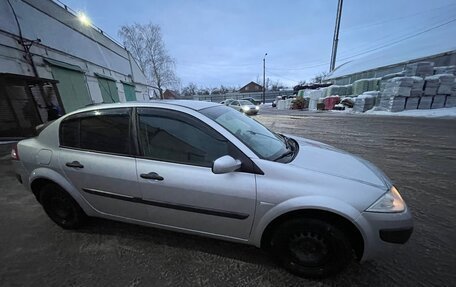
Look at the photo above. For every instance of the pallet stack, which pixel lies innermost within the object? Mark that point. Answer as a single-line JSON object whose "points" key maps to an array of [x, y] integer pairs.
{"points": [[365, 101], [396, 91], [420, 69], [411, 102]]}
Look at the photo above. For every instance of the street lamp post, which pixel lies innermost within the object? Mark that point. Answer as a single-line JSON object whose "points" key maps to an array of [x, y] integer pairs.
{"points": [[264, 78]]}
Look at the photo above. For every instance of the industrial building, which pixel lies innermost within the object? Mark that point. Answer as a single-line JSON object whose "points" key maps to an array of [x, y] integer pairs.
{"points": [[52, 59], [436, 45]]}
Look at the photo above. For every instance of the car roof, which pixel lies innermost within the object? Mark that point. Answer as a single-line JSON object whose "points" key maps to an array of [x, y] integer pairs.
{"points": [[190, 104]]}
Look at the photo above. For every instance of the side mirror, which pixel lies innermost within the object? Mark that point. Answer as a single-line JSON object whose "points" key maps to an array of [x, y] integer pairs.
{"points": [[225, 164]]}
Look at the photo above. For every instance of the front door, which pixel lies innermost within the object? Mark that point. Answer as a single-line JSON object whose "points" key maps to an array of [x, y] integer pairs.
{"points": [[176, 180], [96, 156]]}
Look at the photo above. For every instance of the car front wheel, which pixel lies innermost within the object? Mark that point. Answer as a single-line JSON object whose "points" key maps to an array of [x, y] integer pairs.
{"points": [[61, 207], [311, 248]]}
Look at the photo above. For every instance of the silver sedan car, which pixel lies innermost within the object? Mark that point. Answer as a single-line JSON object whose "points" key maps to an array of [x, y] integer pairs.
{"points": [[245, 107], [206, 169]]}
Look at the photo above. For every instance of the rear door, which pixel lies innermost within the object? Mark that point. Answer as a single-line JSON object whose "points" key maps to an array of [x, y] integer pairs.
{"points": [[96, 155], [177, 182]]}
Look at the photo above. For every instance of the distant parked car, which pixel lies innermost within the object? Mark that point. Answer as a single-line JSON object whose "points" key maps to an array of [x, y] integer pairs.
{"points": [[203, 168], [227, 102], [252, 100], [245, 107]]}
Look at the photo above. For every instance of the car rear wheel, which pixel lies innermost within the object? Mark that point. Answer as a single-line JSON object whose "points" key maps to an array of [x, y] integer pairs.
{"points": [[311, 248], [61, 207]]}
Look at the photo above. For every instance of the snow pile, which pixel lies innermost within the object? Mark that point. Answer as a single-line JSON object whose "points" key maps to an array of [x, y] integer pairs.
{"points": [[435, 113]]}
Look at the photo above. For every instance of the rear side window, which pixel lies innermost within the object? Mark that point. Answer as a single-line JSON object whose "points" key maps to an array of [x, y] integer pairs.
{"points": [[104, 131]]}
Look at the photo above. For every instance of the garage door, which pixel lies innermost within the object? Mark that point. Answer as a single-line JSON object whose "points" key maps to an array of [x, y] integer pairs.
{"points": [[129, 90], [108, 89], [72, 86]]}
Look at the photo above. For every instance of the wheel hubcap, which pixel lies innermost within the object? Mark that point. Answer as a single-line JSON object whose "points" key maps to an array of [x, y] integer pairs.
{"points": [[308, 248], [61, 208]]}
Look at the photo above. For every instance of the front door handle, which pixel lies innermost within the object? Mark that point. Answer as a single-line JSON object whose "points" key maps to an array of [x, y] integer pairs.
{"points": [[74, 164], [151, 175]]}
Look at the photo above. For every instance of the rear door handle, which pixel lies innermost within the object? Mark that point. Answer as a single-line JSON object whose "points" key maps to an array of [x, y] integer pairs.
{"points": [[151, 175], [74, 164]]}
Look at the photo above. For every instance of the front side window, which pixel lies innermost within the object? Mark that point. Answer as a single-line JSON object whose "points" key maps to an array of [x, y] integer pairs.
{"points": [[177, 138], [103, 130]]}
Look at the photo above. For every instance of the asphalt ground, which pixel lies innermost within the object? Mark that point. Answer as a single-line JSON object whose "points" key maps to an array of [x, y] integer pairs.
{"points": [[418, 154]]}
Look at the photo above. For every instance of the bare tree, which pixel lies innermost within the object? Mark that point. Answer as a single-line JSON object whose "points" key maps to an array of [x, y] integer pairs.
{"points": [[277, 85], [146, 45], [190, 90], [320, 77]]}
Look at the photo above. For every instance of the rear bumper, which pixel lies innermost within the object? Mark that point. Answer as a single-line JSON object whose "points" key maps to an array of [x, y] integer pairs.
{"points": [[383, 231]]}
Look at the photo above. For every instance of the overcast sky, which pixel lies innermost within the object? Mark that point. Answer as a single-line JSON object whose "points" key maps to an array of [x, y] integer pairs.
{"points": [[223, 42]]}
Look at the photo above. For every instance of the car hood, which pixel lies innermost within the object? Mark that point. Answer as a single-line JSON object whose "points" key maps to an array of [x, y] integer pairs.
{"points": [[323, 158]]}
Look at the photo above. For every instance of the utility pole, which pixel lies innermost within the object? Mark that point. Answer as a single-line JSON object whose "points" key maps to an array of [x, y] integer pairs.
{"points": [[336, 36], [264, 78]]}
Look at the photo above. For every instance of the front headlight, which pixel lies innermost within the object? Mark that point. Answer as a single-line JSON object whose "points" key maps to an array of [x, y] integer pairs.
{"points": [[257, 108], [391, 201], [245, 109]]}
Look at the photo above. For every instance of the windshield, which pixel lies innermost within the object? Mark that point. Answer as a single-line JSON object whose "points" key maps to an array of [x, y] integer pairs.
{"points": [[264, 143], [245, 103]]}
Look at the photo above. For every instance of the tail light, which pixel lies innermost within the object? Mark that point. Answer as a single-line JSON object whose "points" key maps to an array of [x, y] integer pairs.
{"points": [[14, 153]]}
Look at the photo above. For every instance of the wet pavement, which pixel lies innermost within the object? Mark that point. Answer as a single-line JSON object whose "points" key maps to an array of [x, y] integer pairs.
{"points": [[418, 154]]}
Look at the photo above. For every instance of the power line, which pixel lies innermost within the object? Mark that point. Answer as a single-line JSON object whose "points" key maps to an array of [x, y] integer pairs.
{"points": [[373, 49], [373, 24], [401, 40]]}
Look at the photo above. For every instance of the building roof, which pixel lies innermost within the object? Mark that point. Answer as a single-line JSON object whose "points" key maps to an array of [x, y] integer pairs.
{"points": [[252, 82], [437, 41]]}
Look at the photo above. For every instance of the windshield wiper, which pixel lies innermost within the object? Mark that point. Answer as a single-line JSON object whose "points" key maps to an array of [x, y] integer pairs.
{"points": [[285, 140]]}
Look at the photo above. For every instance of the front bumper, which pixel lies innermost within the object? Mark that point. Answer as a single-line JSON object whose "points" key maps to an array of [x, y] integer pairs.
{"points": [[382, 231], [399, 236], [251, 112]]}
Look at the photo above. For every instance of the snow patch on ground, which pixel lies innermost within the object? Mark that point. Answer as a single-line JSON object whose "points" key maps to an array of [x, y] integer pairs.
{"points": [[433, 113]]}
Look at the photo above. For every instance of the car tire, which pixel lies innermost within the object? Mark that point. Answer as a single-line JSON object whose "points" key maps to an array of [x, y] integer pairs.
{"points": [[61, 207], [311, 248]]}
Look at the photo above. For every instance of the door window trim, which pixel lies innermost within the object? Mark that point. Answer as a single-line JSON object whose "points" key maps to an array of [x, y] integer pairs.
{"points": [[93, 113]]}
